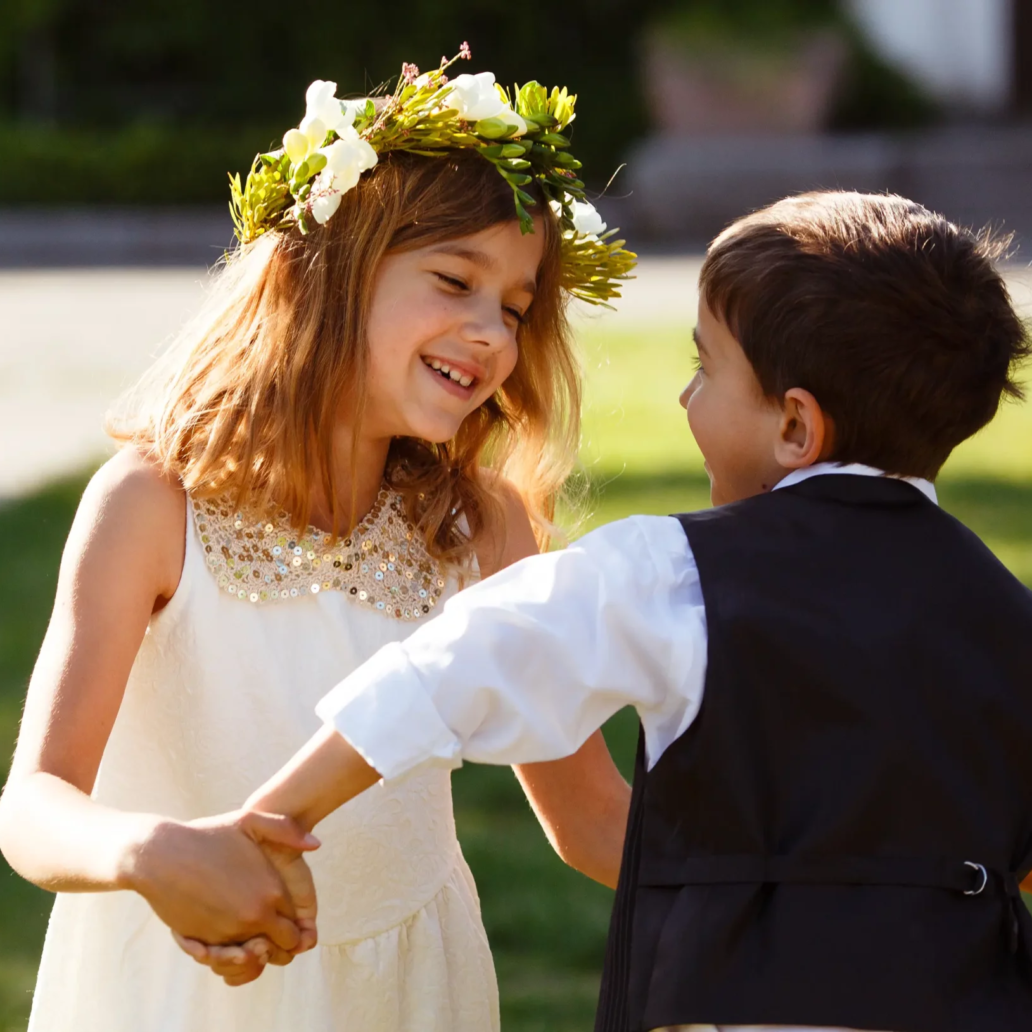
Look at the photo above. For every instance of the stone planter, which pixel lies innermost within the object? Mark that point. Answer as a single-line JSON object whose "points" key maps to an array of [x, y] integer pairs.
{"points": [[721, 88]]}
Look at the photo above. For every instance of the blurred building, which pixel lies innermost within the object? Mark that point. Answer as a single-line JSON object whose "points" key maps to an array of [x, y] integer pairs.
{"points": [[739, 123], [962, 51]]}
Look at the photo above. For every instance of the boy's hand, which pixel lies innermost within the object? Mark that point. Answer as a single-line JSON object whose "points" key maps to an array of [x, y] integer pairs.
{"points": [[236, 965], [296, 875], [218, 879]]}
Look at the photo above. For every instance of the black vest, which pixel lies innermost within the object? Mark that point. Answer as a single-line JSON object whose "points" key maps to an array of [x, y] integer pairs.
{"points": [[838, 837]]}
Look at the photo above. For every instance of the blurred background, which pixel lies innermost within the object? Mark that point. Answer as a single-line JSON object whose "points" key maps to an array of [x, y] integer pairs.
{"points": [[119, 122]]}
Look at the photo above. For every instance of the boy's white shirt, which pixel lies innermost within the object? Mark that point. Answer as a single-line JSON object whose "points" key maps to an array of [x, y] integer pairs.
{"points": [[526, 665]]}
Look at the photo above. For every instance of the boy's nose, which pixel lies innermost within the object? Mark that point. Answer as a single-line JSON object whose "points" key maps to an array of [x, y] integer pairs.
{"points": [[687, 393]]}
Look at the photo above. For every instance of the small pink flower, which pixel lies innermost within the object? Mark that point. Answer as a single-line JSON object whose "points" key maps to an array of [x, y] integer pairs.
{"points": [[409, 72], [464, 52]]}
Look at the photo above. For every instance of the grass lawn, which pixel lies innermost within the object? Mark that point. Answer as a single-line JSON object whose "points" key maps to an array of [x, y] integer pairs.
{"points": [[547, 924]]}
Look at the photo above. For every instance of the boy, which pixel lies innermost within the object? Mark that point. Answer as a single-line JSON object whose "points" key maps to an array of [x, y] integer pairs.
{"points": [[832, 807]]}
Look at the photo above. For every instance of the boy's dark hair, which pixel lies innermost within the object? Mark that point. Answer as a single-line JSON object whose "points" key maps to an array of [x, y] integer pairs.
{"points": [[892, 317]]}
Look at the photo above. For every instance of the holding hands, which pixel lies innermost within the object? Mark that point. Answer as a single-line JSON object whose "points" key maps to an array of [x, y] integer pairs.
{"points": [[234, 889]]}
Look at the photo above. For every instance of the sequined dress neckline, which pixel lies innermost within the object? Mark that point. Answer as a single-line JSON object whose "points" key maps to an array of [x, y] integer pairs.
{"points": [[383, 563]]}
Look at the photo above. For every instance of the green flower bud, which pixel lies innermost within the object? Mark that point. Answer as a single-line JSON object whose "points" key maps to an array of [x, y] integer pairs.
{"points": [[493, 128], [564, 160], [541, 120], [516, 178]]}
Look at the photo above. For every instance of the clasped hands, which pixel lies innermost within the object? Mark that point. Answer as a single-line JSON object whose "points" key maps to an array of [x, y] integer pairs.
{"points": [[234, 889]]}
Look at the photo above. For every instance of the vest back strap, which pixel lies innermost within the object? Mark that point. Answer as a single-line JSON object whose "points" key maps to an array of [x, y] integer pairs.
{"points": [[964, 876]]}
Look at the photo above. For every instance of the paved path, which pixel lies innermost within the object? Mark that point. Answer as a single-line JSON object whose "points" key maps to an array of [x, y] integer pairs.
{"points": [[72, 340]]}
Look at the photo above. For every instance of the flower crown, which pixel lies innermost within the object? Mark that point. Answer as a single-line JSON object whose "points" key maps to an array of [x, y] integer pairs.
{"points": [[338, 140]]}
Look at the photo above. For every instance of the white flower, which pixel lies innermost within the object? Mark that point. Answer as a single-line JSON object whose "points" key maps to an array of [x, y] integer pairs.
{"points": [[586, 219], [297, 145], [475, 97], [323, 105], [324, 114], [346, 160], [324, 205]]}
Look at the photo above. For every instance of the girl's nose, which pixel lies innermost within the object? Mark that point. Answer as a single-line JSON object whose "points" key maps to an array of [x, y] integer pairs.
{"points": [[489, 330]]}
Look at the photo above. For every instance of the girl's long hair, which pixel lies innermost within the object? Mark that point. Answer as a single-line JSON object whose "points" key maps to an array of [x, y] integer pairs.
{"points": [[245, 401]]}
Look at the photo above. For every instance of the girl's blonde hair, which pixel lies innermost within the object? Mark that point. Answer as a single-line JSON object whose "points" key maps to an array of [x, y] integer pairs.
{"points": [[245, 403]]}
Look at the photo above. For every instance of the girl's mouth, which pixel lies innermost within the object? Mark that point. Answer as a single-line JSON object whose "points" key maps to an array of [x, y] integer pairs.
{"points": [[448, 373], [455, 381]]}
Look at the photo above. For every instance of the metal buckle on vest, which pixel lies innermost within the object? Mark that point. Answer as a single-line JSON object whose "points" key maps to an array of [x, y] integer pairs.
{"points": [[985, 878]]}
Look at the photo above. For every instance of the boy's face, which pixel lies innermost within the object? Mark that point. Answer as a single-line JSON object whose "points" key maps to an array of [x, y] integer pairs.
{"points": [[737, 428]]}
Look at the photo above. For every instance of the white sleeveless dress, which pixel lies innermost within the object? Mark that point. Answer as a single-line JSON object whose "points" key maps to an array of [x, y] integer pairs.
{"points": [[222, 693]]}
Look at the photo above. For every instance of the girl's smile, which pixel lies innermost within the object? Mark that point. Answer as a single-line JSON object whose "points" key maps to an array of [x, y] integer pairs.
{"points": [[461, 378], [443, 330]]}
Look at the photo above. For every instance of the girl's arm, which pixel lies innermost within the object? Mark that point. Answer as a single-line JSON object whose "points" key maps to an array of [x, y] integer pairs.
{"points": [[581, 801], [122, 562]]}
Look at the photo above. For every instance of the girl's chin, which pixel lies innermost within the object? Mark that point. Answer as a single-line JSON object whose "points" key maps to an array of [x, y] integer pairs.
{"points": [[433, 431]]}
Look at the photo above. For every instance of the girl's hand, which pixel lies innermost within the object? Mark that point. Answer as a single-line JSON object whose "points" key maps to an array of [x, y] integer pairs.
{"points": [[243, 963], [218, 880]]}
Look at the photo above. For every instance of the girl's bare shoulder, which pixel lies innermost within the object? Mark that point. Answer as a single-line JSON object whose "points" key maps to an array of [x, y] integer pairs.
{"points": [[132, 512]]}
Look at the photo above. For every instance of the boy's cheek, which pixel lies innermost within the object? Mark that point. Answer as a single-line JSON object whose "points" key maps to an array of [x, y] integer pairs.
{"points": [[695, 407]]}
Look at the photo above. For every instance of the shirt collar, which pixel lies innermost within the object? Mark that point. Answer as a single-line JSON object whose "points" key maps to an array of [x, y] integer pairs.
{"points": [[855, 469]]}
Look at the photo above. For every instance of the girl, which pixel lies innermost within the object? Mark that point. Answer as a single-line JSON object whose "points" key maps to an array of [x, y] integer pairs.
{"points": [[379, 402]]}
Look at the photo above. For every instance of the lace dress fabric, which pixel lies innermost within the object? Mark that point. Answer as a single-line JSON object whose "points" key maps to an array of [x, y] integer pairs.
{"points": [[222, 693]]}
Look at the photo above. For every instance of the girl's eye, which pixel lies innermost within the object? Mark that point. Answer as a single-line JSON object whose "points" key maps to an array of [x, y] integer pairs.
{"points": [[697, 363], [458, 284], [451, 281]]}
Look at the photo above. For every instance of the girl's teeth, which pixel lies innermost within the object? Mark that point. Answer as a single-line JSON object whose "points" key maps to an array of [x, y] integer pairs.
{"points": [[447, 371]]}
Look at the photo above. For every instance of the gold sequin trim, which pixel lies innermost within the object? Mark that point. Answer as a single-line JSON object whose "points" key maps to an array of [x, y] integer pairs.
{"points": [[382, 564]]}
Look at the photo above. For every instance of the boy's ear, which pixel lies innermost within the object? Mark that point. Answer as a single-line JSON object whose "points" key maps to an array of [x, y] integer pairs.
{"points": [[805, 431]]}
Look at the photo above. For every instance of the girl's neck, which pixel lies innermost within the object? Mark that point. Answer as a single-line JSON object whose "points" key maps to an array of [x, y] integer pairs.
{"points": [[358, 478]]}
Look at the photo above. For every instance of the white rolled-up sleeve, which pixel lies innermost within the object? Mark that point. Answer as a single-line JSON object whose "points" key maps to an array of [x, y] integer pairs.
{"points": [[525, 665]]}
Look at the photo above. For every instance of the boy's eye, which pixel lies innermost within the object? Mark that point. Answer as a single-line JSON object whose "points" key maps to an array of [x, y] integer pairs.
{"points": [[696, 363]]}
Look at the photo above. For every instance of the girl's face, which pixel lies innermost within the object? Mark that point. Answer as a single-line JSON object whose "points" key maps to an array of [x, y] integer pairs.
{"points": [[442, 329]]}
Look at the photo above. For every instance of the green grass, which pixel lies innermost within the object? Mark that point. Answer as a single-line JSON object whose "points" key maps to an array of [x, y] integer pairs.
{"points": [[546, 923]]}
